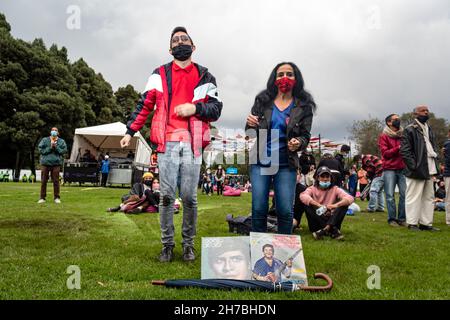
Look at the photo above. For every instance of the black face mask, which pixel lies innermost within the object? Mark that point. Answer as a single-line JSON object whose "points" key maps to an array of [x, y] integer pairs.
{"points": [[423, 119], [396, 124], [182, 52], [148, 183]]}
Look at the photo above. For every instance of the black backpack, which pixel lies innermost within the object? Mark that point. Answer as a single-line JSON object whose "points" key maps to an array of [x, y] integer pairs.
{"points": [[243, 225]]}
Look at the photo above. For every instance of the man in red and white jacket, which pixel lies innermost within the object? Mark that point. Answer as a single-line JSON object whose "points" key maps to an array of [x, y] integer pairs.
{"points": [[185, 99]]}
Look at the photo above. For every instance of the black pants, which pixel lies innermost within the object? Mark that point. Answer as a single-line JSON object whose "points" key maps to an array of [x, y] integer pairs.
{"points": [[299, 207], [219, 187], [104, 179], [316, 222]]}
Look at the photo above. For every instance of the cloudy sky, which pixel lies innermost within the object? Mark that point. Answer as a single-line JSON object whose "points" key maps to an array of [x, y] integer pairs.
{"points": [[358, 58]]}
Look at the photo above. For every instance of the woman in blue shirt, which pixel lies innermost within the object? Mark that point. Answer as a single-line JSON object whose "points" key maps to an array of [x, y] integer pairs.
{"points": [[281, 120]]}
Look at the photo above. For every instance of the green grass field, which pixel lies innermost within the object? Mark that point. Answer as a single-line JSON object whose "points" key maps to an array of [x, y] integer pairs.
{"points": [[117, 253]]}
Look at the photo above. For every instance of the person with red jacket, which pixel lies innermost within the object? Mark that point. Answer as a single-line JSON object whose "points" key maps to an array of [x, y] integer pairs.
{"points": [[185, 99], [393, 167], [374, 170]]}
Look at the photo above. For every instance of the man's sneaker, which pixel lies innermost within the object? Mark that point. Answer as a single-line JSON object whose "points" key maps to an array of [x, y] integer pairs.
{"points": [[336, 234], [428, 228], [57, 200], [166, 254], [392, 223], [413, 227], [115, 209], [41, 201], [188, 253], [318, 235], [402, 223]]}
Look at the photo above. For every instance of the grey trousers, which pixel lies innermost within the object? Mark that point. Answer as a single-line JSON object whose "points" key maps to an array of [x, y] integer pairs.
{"points": [[178, 161]]}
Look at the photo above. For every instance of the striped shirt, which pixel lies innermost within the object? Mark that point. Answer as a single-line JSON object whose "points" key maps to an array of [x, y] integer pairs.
{"points": [[373, 165]]}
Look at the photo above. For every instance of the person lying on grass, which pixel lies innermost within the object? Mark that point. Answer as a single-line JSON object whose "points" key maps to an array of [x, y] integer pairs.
{"points": [[143, 197], [326, 206]]}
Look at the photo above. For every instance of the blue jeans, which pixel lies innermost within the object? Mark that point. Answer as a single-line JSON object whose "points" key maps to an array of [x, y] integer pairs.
{"points": [[376, 201], [391, 179], [284, 181], [178, 161]]}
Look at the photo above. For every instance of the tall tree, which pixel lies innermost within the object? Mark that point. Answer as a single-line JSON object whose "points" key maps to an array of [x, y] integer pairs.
{"points": [[126, 98], [41, 88], [365, 133]]}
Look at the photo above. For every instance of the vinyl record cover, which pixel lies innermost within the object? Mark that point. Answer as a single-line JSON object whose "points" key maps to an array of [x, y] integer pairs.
{"points": [[277, 257], [226, 258]]}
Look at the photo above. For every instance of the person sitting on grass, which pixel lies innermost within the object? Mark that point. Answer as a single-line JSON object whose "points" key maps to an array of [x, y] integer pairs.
{"points": [[326, 206], [141, 194], [439, 201]]}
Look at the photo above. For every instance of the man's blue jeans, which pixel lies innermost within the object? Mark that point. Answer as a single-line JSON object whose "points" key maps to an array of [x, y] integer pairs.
{"points": [[284, 181], [376, 201], [391, 179], [178, 161]]}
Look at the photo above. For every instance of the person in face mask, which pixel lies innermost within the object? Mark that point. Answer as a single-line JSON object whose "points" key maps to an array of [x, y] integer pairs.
{"points": [[420, 154], [184, 97], [393, 167], [280, 120], [326, 206], [141, 193], [52, 149], [104, 169]]}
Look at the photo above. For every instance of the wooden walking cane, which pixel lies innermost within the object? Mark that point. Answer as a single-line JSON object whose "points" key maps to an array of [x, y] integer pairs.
{"points": [[325, 288]]}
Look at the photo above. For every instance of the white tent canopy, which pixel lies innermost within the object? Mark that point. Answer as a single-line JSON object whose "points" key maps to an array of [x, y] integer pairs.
{"points": [[106, 138]]}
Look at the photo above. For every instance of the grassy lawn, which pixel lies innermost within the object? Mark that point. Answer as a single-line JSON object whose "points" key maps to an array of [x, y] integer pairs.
{"points": [[117, 253]]}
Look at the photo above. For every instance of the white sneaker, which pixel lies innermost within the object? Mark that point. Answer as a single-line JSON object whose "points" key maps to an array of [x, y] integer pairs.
{"points": [[57, 200], [41, 201]]}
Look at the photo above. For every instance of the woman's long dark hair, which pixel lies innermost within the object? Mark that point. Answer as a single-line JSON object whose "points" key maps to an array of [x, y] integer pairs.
{"points": [[298, 91]]}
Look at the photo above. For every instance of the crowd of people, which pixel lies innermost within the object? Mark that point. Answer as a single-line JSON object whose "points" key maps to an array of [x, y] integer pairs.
{"points": [[184, 98], [217, 182]]}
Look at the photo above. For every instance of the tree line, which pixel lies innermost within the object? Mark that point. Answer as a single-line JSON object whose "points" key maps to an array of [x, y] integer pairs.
{"points": [[40, 88], [365, 132]]}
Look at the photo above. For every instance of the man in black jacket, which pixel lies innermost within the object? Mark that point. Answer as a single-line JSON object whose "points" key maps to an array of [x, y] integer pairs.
{"points": [[447, 179], [340, 157], [419, 152]]}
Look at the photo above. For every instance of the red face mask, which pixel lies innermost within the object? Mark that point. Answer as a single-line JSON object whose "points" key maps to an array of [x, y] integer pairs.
{"points": [[285, 84]]}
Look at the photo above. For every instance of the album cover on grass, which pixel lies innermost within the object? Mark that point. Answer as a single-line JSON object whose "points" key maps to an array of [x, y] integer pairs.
{"points": [[277, 258], [226, 258]]}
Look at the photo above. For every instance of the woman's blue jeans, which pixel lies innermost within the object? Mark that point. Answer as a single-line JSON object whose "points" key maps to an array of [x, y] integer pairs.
{"points": [[284, 181]]}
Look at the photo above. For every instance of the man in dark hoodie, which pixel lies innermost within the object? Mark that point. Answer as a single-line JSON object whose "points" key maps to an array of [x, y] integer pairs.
{"points": [[419, 152]]}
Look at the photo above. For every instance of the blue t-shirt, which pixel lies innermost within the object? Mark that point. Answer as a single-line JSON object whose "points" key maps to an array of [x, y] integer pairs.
{"points": [[262, 268], [105, 166], [280, 120]]}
